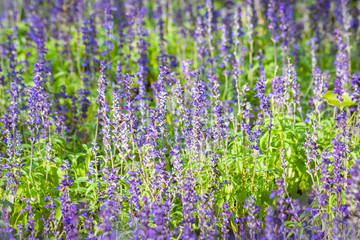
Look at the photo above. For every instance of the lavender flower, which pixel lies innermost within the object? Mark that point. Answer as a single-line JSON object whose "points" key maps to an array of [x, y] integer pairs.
{"points": [[254, 224], [134, 201], [189, 200], [206, 217], [199, 100], [84, 102], [353, 192], [271, 16], [89, 41], [270, 224], [355, 84], [143, 59], [282, 200], [7, 230], [226, 216], [278, 90], [51, 219], [67, 208], [145, 231], [30, 224], [219, 128], [260, 86], [107, 217], [342, 67], [102, 113], [320, 86]]}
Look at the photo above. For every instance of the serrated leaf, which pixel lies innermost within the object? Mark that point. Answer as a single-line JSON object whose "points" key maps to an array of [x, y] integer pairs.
{"points": [[330, 97]]}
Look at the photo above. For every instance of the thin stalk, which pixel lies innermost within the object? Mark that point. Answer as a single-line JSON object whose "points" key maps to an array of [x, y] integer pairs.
{"points": [[275, 57], [255, 163], [226, 84], [48, 162], [32, 151], [268, 147], [97, 125], [251, 61]]}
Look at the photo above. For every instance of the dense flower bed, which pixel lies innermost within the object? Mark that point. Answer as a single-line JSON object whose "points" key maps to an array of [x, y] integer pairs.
{"points": [[180, 119]]}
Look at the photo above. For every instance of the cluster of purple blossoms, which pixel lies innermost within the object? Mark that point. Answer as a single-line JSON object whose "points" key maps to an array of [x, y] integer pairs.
{"points": [[353, 192], [254, 225], [189, 199], [7, 230], [355, 85], [91, 49], [51, 218], [167, 163], [342, 68], [226, 216], [278, 90], [199, 100], [260, 86], [30, 224]]}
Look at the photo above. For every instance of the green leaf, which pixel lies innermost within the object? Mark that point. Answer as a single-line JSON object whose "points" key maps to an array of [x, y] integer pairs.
{"points": [[81, 179], [330, 97], [85, 147], [80, 189], [7, 203], [91, 187]]}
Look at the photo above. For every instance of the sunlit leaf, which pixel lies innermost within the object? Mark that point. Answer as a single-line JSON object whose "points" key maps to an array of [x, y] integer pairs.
{"points": [[331, 98]]}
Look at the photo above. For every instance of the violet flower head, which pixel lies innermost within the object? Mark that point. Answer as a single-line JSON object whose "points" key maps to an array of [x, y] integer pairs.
{"points": [[143, 58], [270, 224], [199, 102], [260, 86], [226, 216], [224, 48], [89, 37], [30, 224], [145, 231], [278, 90], [50, 205], [134, 190], [84, 102], [39, 105], [160, 220], [320, 85], [353, 192], [343, 15], [342, 68], [102, 84], [107, 217], [285, 19], [254, 225], [189, 200], [108, 27], [207, 219], [7, 231], [200, 36], [10, 118], [271, 14], [69, 216], [355, 85], [177, 163], [219, 130], [162, 96]]}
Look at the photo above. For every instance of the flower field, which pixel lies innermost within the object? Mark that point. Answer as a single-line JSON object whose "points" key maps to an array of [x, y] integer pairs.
{"points": [[180, 119]]}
